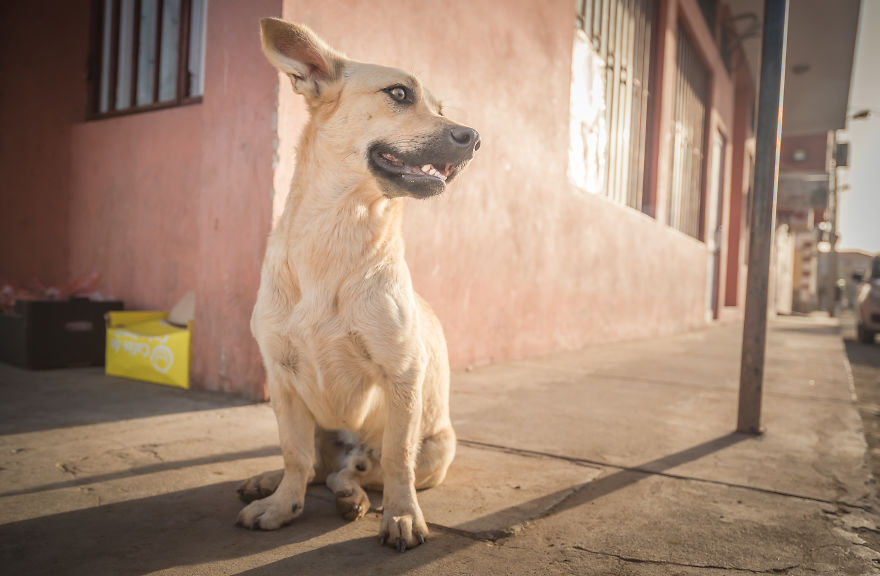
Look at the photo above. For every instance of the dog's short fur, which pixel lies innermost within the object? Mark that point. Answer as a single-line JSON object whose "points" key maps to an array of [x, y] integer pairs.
{"points": [[356, 361]]}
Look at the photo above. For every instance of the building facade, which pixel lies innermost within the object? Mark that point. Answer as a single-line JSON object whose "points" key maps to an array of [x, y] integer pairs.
{"points": [[608, 200]]}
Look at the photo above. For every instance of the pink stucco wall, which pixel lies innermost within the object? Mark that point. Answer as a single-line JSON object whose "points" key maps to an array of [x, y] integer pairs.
{"points": [[513, 258], [743, 142], [135, 184], [43, 47], [720, 118], [180, 199], [235, 202]]}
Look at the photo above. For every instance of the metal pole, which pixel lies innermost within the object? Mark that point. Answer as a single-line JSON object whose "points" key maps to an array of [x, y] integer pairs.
{"points": [[769, 129], [832, 238]]}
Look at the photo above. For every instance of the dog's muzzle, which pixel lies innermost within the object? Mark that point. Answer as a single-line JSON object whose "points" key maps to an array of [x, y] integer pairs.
{"points": [[423, 171]]}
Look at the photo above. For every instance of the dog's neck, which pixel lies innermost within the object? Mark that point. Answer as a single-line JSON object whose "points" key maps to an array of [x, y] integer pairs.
{"points": [[337, 222]]}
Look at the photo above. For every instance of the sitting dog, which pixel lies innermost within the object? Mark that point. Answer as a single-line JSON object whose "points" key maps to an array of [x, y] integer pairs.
{"points": [[356, 361]]}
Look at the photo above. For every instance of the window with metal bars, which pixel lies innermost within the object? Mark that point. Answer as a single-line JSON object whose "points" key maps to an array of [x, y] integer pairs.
{"points": [[147, 54], [619, 34], [685, 198]]}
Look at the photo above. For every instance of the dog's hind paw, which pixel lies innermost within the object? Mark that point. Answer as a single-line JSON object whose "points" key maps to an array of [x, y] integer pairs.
{"points": [[259, 486], [353, 505], [269, 513]]}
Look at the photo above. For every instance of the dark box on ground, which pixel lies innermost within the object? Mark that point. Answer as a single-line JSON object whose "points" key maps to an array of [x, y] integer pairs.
{"points": [[55, 334]]}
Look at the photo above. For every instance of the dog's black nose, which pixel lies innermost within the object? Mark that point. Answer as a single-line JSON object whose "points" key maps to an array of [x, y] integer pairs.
{"points": [[465, 137]]}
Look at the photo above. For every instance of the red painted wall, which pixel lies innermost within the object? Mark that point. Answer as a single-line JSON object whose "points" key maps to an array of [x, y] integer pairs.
{"points": [[743, 140], [514, 259], [43, 53], [134, 190], [180, 199], [235, 201]]}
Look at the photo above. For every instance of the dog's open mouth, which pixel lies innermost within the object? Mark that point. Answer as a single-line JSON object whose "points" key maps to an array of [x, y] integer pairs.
{"points": [[393, 164], [421, 174]]}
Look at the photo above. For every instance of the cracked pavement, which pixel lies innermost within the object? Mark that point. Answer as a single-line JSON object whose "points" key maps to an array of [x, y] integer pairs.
{"points": [[619, 459]]}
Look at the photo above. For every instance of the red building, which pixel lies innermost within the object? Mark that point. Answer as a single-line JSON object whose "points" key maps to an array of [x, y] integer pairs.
{"points": [[151, 141]]}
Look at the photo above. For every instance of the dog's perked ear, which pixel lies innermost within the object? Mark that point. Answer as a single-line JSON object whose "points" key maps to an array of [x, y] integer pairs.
{"points": [[299, 53]]}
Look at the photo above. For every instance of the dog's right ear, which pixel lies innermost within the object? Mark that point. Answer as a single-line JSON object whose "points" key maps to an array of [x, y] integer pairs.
{"points": [[299, 53]]}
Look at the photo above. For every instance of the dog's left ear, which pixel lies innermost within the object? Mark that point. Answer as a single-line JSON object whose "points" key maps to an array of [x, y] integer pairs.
{"points": [[299, 53]]}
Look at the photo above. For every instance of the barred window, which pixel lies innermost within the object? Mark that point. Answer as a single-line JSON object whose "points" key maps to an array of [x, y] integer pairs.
{"points": [[611, 96], [685, 199], [150, 54]]}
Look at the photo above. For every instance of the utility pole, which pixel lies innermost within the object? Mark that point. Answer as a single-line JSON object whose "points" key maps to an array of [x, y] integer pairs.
{"points": [[832, 234], [770, 97]]}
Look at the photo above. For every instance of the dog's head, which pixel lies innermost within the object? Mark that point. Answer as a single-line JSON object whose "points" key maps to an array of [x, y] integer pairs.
{"points": [[381, 121]]}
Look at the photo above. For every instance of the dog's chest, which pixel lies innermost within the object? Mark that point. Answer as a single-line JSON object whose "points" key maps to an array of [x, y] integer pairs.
{"points": [[335, 374]]}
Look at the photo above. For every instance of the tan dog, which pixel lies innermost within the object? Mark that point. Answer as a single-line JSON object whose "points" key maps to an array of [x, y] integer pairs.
{"points": [[356, 361]]}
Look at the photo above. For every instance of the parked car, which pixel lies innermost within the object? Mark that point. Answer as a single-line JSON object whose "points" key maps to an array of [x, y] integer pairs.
{"points": [[868, 303]]}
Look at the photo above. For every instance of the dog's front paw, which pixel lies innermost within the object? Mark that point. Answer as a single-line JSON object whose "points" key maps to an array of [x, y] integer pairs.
{"points": [[403, 527], [270, 513]]}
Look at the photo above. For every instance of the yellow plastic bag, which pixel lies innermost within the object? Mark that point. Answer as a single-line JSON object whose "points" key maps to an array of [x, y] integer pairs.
{"points": [[141, 345]]}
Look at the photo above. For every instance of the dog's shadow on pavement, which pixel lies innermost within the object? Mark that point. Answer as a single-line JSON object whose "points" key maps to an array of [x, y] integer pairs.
{"points": [[176, 529]]}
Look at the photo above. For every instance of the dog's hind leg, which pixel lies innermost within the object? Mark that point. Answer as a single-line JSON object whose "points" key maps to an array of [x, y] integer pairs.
{"points": [[296, 431], [259, 486], [435, 455], [351, 499], [358, 466]]}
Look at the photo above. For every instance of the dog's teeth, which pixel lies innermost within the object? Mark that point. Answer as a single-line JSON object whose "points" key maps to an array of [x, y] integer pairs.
{"points": [[430, 170]]}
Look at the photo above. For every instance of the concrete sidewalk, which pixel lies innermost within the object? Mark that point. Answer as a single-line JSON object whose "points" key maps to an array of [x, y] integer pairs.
{"points": [[619, 459]]}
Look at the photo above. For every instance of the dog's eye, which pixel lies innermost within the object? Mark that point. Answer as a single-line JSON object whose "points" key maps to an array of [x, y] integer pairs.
{"points": [[399, 93]]}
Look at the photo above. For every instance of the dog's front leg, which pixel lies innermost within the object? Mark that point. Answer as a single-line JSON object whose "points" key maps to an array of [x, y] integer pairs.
{"points": [[402, 522], [296, 431]]}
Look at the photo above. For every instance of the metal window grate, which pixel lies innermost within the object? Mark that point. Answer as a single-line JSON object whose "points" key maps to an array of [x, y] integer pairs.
{"points": [[146, 54], [689, 126], [620, 32]]}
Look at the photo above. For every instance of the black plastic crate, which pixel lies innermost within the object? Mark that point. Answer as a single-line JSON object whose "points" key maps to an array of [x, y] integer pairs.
{"points": [[55, 334]]}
